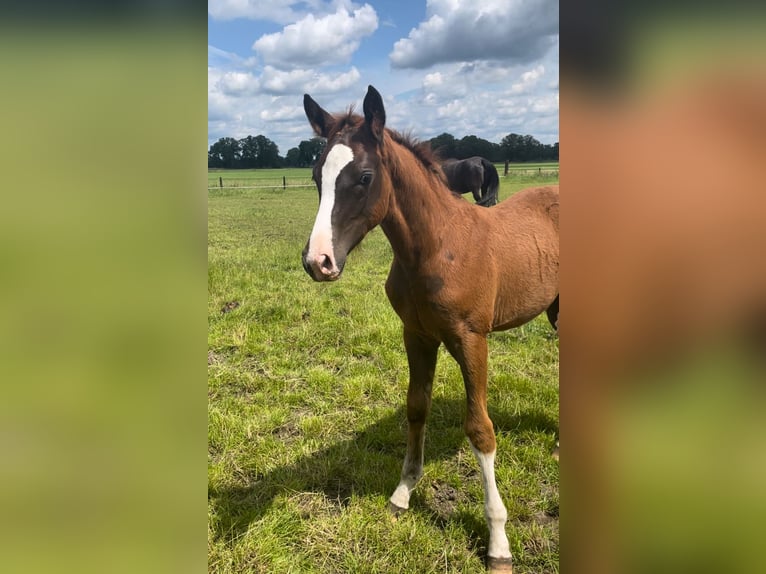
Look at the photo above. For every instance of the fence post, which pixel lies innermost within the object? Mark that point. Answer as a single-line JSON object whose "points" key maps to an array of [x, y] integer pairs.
{"points": [[284, 182], [220, 182]]}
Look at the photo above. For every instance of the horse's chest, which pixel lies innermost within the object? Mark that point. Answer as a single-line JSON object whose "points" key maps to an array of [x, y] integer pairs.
{"points": [[427, 303]]}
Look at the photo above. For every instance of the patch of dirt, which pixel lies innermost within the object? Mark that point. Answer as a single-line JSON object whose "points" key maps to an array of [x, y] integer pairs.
{"points": [[445, 499], [547, 517], [312, 504], [286, 431], [229, 306], [337, 492]]}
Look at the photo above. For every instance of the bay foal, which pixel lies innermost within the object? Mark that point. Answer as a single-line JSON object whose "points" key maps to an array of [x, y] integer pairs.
{"points": [[369, 175]]}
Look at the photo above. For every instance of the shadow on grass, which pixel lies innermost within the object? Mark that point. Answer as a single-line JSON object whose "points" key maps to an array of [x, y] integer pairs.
{"points": [[367, 463]]}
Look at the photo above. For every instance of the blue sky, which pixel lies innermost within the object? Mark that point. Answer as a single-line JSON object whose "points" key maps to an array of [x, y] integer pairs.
{"points": [[480, 67]]}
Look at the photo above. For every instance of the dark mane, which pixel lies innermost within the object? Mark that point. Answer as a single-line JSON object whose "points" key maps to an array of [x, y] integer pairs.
{"points": [[421, 150]]}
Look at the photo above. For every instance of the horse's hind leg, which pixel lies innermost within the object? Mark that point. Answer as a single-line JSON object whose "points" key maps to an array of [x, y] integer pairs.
{"points": [[421, 356], [553, 313], [471, 354]]}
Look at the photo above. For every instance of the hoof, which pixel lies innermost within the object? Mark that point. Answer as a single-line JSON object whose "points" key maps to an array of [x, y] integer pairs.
{"points": [[499, 565], [395, 511]]}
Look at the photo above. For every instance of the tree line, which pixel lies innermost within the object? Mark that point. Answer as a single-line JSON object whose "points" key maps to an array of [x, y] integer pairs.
{"points": [[260, 152]]}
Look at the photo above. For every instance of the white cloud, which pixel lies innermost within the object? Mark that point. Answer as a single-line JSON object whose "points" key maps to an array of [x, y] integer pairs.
{"points": [[453, 109], [453, 81], [312, 41], [485, 99], [242, 103], [528, 80], [279, 82], [505, 30], [276, 81], [238, 83], [546, 105], [433, 80], [282, 113]]}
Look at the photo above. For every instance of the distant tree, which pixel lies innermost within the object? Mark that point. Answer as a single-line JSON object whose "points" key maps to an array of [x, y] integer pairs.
{"points": [[511, 146], [515, 147], [470, 146], [533, 148], [293, 157], [224, 153], [310, 150], [260, 152], [268, 153], [444, 144], [249, 152]]}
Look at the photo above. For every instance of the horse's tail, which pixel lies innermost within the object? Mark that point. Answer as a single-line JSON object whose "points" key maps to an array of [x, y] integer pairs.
{"points": [[492, 183]]}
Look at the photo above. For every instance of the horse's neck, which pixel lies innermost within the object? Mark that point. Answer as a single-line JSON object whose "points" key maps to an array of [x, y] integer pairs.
{"points": [[419, 212]]}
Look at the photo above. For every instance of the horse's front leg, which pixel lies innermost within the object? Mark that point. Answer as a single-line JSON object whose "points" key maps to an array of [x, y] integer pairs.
{"points": [[470, 351], [421, 356]]}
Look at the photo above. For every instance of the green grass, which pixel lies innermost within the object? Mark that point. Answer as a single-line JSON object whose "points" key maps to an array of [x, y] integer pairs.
{"points": [[307, 387]]}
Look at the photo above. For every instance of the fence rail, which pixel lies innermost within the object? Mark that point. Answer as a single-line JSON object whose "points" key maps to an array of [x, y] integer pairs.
{"points": [[298, 182], [274, 183], [277, 186]]}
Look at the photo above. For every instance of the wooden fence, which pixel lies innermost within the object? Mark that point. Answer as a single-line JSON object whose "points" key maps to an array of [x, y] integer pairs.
{"points": [[285, 182], [260, 183]]}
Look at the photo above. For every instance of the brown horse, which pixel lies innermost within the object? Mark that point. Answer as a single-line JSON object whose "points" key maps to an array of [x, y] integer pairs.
{"points": [[369, 175]]}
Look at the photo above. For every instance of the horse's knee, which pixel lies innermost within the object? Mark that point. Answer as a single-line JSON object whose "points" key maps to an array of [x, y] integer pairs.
{"points": [[418, 404], [480, 432], [417, 413]]}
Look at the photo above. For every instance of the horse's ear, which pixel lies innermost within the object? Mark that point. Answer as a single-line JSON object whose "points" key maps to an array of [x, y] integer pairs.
{"points": [[374, 113], [319, 119]]}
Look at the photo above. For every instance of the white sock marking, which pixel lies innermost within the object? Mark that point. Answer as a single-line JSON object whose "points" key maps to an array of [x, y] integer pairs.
{"points": [[320, 240], [401, 496], [494, 510]]}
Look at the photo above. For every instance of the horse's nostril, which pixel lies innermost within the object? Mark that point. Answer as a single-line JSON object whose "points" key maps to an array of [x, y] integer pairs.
{"points": [[327, 263]]}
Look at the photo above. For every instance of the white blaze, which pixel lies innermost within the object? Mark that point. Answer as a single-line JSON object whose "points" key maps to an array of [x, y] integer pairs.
{"points": [[320, 241]]}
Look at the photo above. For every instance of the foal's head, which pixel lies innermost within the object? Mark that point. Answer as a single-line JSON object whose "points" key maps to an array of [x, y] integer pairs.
{"points": [[348, 175]]}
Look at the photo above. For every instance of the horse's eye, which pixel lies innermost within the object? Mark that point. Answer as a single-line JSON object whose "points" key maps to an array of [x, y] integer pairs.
{"points": [[366, 178]]}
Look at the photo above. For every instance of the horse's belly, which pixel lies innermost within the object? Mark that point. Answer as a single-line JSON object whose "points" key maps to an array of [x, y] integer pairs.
{"points": [[527, 289], [517, 317]]}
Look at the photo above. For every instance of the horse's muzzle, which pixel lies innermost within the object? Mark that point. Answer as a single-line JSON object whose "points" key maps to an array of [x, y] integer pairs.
{"points": [[321, 267]]}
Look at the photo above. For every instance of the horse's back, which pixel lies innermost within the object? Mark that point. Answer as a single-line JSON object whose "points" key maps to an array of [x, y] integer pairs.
{"points": [[537, 199]]}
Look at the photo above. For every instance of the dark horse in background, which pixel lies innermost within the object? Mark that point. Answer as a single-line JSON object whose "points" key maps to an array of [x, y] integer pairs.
{"points": [[474, 175], [369, 175]]}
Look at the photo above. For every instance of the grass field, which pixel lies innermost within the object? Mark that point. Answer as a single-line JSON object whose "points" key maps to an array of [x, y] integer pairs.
{"points": [[306, 420]]}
